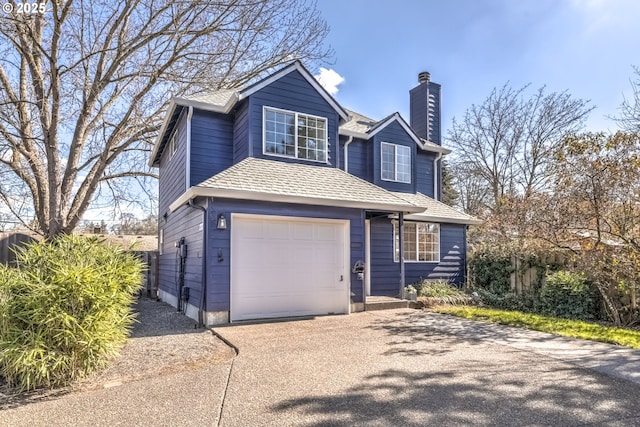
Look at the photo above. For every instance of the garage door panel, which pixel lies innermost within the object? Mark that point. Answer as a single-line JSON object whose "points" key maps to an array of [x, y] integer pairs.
{"points": [[287, 267]]}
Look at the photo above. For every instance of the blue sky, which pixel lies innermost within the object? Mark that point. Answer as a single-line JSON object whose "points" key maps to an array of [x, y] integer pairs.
{"points": [[471, 46]]}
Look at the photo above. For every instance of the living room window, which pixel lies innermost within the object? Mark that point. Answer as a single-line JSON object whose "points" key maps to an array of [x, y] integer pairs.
{"points": [[395, 162], [421, 242], [296, 135]]}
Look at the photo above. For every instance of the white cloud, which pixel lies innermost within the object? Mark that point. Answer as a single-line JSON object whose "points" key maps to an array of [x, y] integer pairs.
{"points": [[329, 80]]}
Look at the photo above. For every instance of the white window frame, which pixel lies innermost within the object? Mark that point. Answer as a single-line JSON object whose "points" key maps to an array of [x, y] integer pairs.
{"points": [[295, 135], [161, 242], [396, 178], [396, 252]]}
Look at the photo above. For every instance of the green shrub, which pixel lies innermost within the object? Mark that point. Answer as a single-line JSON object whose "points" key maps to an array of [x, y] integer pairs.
{"points": [[490, 270], [65, 310], [509, 301], [569, 295], [441, 292]]}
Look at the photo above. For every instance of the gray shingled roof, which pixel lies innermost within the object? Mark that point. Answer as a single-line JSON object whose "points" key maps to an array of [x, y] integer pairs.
{"points": [[358, 122], [219, 98], [436, 210], [273, 180]]}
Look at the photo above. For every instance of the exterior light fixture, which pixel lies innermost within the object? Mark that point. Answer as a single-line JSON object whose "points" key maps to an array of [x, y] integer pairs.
{"points": [[222, 222]]}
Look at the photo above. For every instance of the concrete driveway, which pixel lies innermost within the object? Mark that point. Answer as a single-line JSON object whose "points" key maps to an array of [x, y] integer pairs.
{"points": [[385, 368], [410, 368]]}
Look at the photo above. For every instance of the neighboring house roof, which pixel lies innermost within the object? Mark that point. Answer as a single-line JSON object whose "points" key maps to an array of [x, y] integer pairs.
{"points": [[276, 181], [435, 210], [360, 126], [224, 100]]}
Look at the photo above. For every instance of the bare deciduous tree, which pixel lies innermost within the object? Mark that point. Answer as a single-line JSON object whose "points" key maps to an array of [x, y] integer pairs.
{"points": [[629, 118], [594, 208], [508, 142], [83, 87]]}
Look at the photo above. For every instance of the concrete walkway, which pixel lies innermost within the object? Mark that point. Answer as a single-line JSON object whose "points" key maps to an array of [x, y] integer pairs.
{"points": [[614, 360], [386, 368]]}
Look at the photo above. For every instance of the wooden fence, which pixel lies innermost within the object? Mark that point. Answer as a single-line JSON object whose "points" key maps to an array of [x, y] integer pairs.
{"points": [[150, 279], [10, 241], [527, 274]]}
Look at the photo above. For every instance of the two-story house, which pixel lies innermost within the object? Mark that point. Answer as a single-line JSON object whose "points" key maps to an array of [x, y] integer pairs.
{"points": [[276, 201]]}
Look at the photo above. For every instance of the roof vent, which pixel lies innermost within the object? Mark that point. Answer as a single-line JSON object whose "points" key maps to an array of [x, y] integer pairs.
{"points": [[424, 77]]}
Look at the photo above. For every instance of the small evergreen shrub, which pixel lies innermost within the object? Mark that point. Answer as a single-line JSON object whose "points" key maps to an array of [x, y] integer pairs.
{"points": [[490, 270], [509, 301], [64, 310], [569, 295]]}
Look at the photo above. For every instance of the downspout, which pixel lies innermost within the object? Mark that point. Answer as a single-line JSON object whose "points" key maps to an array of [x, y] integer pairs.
{"points": [[203, 295], [435, 176], [401, 255], [187, 160], [346, 154]]}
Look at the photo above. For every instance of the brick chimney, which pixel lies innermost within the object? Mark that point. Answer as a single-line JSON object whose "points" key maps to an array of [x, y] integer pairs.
{"points": [[425, 108]]}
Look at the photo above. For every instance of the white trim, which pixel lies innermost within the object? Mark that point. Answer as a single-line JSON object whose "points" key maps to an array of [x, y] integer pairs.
{"points": [[346, 226], [286, 198], [165, 123], [353, 133], [415, 261], [296, 66], [367, 257], [395, 159], [266, 108], [187, 156], [425, 217]]}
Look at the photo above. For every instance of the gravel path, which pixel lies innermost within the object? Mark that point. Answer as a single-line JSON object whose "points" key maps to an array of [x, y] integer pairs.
{"points": [[162, 342]]}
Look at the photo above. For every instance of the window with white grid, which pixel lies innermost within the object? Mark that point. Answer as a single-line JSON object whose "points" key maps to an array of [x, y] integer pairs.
{"points": [[395, 162], [421, 242], [297, 135]]}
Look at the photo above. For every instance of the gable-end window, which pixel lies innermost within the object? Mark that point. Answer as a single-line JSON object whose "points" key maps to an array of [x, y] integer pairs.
{"points": [[396, 162], [295, 135], [421, 242]]}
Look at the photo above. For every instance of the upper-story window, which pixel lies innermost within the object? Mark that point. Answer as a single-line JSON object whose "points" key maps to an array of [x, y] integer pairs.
{"points": [[396, 162], [297, 135]]}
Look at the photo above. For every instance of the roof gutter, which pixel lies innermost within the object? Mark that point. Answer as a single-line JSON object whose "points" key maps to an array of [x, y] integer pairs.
{"points": [[194, 192]]}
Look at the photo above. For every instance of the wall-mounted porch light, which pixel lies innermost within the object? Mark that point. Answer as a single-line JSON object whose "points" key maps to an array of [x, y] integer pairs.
{"points": [[222, 222]]}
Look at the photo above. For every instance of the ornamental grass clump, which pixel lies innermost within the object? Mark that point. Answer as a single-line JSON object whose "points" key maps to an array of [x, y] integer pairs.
{"points": [[64, 310]]}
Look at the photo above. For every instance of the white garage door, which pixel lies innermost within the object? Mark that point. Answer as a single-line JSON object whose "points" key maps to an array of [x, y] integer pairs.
{"points": [[285, 266]]}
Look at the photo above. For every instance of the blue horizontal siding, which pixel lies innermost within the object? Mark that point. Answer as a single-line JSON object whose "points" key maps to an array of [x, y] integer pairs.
{"points": [[219, 273], [385, 272], [211, 144], [424, 172], [241, 133], [184, 222], [393, 133], [172, 175], [360, 159], [292, 92]]}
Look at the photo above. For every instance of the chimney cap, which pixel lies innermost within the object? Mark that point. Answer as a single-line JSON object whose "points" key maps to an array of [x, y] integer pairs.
{"points": [[424, 77]]}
